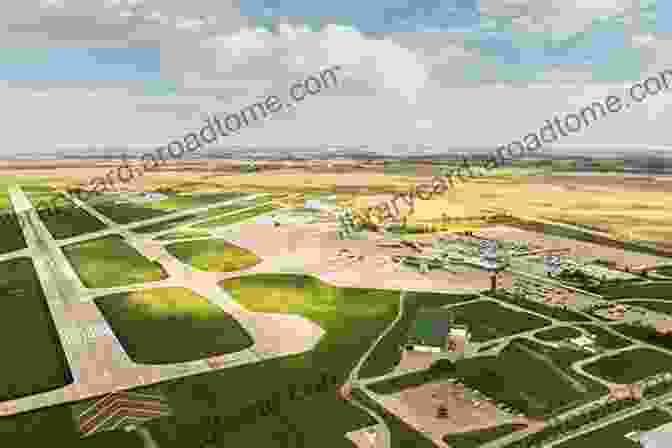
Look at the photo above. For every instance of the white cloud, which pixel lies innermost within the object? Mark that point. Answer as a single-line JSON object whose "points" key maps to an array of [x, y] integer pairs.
{"points": [[561, 19], [643, 40], [189, 24], [380, 63], [404, 87]]}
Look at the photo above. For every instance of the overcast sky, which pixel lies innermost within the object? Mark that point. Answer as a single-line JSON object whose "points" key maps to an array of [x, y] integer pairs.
{"points": [[449, 73]]}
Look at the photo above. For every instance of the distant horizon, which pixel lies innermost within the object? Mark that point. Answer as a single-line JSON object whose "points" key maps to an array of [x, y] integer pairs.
{"points": [[583, 151]]}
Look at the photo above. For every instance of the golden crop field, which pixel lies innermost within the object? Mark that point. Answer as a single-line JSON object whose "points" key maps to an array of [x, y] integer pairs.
{"points": [[639, 208]]}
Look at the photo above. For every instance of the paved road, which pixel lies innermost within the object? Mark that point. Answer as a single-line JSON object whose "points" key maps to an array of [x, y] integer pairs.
{"points": [[383, 437], [577, 366], [354, 374], [60, 284], [42, 244]]}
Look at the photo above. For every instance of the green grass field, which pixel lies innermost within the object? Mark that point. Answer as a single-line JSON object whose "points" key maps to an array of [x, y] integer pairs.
{"points": [[5, 202], [667, 270], [352, 319], [108, 262], [171, 325], [521, 379], [164, 225], [489, 320], [62, 218], [336, 309], [226, 220], [386, 355], [213, 212], [183, 233], [37, 188], [296, 426], [43, 426], [630, 366], [56, 425], [613, 436], [33, 359], [11, 231], [439, 371], [645, 334], [213, 255], [9, 226], [127, 212], [561, 357], [192, 200], [283, 429], [557, 334], [474, 439]]}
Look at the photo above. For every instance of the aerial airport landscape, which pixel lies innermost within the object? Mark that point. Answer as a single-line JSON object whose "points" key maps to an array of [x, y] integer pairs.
{"points": [[176, 289], [254, 224]]}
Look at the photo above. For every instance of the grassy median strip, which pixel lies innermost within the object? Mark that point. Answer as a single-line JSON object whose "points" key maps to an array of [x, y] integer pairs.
{"points": [[164, 225], [246, 203], [120, 208], [613, 435], [557, 334], [183, 233], [213, 212], [237, 217], [187, 201], [128, 213], [474, 439], [655, 290]]}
